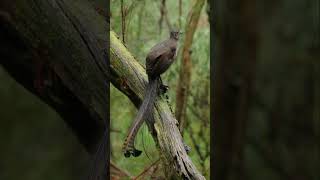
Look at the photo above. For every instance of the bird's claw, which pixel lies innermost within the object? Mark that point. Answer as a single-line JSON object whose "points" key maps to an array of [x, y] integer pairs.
{"points": [[164, 88], [133, 152], [187, 148]]}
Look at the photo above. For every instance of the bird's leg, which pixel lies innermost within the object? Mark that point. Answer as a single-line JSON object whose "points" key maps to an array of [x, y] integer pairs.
{"points": [[186, 147], [134, 152], [163, 88]]}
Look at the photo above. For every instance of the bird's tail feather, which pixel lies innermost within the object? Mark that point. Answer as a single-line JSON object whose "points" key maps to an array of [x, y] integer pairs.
{"points": [[144, 111]]}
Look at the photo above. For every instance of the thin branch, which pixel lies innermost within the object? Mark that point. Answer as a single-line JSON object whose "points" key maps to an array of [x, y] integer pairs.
{"points": [[180, 13], [162, 9], [123, 22], [116, 171], [146, 170], [194, 141], [164, 15], [115, 130], [204, 120]]}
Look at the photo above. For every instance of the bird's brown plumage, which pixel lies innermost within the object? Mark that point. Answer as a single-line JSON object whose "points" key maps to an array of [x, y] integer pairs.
{"points": [[158, 60]]}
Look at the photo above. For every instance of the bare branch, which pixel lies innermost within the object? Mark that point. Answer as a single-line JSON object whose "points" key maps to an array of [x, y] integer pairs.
{"points": [[116, 171], [147, 169]]}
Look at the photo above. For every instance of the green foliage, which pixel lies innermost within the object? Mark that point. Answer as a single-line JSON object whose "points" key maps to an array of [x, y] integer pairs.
{"points": [[142, 32]]}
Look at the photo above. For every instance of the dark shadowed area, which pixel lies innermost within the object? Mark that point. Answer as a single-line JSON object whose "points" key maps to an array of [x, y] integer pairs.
{"points": [[266, 89], [36, 143], [53, 89]]}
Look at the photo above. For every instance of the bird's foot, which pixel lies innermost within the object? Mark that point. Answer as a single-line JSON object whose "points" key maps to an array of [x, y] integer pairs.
{"points": [[164, 88], [186, 147], [134, 152]]}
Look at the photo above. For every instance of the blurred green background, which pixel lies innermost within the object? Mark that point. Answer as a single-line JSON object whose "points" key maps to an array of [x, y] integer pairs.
{"points": [[142, 31]]}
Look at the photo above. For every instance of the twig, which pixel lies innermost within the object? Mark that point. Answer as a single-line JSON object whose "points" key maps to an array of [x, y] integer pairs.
{"points": [[194, 141], [167, 19], [123, 22], [131, 7], [164, 15], [197, 114], [163, 4], [117, 171], [180, 13], [146, 170], [115, 130], [202, 156]]}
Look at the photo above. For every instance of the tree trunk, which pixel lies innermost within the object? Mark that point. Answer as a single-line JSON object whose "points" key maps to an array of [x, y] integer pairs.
{"points": [[233, 76], [64, 43]]}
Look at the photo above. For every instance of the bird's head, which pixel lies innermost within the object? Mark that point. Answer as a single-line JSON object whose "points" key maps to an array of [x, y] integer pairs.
{"points": [[174, 34]]}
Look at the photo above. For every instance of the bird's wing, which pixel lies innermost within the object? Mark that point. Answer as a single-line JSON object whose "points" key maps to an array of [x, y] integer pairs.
{"points": [[158, 50]]}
